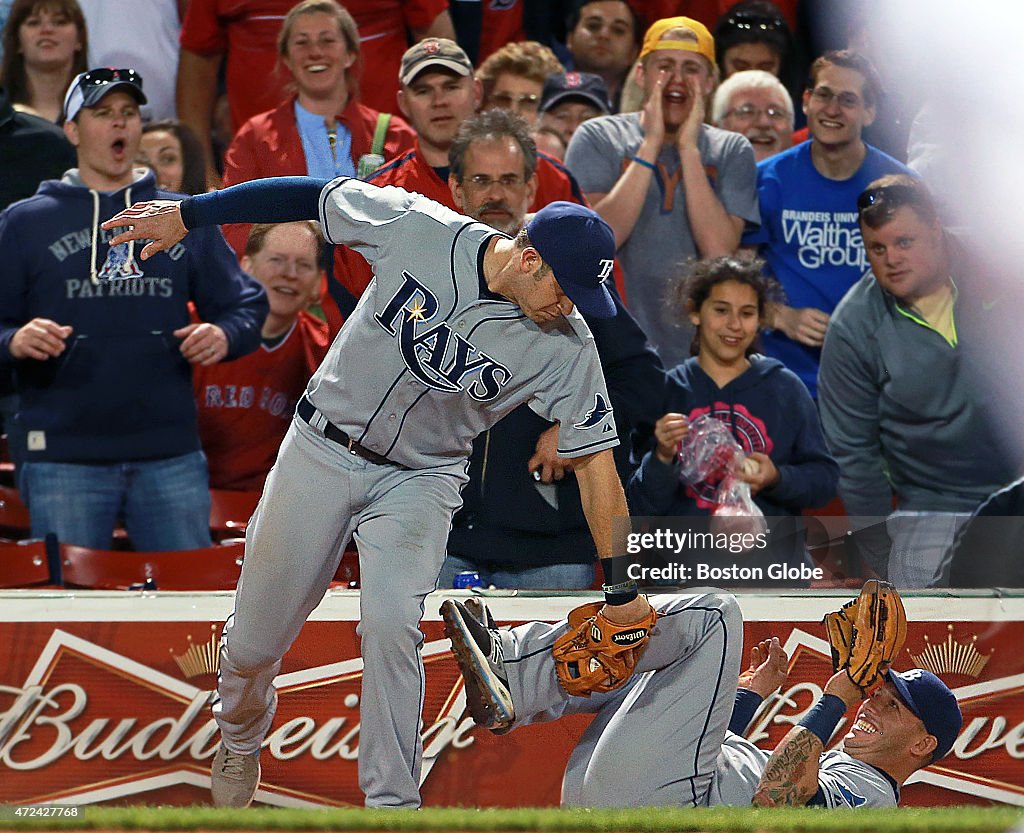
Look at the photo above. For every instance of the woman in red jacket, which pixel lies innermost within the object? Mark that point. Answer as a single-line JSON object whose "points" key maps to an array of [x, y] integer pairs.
{"points": [[322, 130]]}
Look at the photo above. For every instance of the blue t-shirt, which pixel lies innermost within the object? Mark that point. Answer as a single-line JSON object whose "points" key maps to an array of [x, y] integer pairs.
{"points": [[810, 238]]}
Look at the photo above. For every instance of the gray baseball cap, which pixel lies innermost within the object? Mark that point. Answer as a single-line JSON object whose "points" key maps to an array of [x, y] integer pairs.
{"points": [[434, 52]]}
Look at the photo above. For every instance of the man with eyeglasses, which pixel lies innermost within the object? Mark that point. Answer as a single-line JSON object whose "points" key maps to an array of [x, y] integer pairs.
{"points": [[755, 103], [808, 195], [671, 187], [438, 93], [904, 371], [102, 343], [522, 523]]}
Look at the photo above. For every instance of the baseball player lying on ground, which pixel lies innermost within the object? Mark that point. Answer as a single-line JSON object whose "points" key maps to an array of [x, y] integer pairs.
{"points": [[675, 725]]}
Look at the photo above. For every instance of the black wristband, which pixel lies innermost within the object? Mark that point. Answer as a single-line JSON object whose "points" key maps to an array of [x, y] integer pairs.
{"points": [[619, 588]]}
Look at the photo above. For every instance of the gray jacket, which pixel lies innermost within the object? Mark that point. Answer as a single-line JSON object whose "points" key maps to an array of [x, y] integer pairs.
{"points": [[902, 410]]}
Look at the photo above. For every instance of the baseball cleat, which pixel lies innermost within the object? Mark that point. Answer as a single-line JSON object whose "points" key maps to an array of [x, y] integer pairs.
{"points": [[234, 778], [477, 649], [477, 608]]}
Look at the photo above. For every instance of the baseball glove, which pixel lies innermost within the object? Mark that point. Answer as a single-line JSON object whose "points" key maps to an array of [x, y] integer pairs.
{"points": [[596, 654], [868, 633]]}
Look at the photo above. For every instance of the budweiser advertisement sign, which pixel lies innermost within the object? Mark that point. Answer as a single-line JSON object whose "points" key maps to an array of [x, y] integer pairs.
{"points": [[109, 701]]}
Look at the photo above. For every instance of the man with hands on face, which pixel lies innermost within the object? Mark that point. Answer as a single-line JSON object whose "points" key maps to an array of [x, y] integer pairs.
{"points": [[670, 186], [102, 343]]}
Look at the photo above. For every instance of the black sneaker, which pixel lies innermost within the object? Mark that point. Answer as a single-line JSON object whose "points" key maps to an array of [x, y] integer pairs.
{"points": [[477, 608], [477, 649]]}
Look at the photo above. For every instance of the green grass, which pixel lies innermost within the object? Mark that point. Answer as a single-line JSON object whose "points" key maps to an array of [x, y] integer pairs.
{"points": [[648, 820]]}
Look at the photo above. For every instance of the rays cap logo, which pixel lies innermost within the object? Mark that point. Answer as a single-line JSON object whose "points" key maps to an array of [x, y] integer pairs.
{"points": [[437, 53], [932, 701], [580, 248], [89, 88]]}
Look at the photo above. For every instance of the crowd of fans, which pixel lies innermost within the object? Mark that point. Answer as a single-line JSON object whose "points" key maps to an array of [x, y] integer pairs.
{"points": [[779, 266]]}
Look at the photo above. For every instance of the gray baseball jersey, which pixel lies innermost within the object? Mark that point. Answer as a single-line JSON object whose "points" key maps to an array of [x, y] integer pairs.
{"points": [[669, 722], [428, 359], [844, 781]]}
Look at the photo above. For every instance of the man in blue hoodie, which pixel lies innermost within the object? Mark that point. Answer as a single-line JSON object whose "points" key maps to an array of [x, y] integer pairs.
{"points": [[102, 345]]}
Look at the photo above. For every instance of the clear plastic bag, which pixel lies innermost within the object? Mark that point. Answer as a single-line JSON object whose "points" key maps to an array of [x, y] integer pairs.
{"points": [[708, 452], [734, 499]]}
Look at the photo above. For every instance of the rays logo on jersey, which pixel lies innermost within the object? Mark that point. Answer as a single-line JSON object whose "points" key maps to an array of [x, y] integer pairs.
{"points": [[596, 415], [119, 265], [436, 355], [847, 796]]}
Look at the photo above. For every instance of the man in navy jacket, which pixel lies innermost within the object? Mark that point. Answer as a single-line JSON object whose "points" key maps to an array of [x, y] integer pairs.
{"points": [[102, 344]]}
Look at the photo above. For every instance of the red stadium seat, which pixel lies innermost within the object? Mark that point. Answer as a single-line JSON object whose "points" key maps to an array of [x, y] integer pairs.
{"points": [[27, 563], [230, 512], [6, 466], [210, 568], [14, 522]]}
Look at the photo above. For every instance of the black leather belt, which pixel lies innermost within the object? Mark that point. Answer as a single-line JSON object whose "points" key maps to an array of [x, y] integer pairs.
{"points": [[308, 412]]}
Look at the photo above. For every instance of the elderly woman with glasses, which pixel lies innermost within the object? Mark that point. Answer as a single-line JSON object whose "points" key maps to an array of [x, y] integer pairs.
{"points": [[754, 102]]}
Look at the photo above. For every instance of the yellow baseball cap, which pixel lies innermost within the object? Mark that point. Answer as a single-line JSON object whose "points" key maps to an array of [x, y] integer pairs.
{"points": [[704, 45]]}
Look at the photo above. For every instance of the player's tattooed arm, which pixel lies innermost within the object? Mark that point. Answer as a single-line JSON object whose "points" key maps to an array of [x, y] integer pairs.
{"points": [[791, 775]]}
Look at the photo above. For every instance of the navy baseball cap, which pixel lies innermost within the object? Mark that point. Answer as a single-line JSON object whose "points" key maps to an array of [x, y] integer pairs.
{"points": [[932, 701], [580, 247], [89, 88], [575, 86]]}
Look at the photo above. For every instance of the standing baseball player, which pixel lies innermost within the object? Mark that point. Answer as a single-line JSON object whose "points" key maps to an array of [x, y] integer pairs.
{"points": [[460, 325], [678, 720]]}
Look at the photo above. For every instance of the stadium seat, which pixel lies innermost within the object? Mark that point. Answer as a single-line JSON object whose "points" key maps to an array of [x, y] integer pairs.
{"points": [[31, 563], [6, 466], [210, 568], [230, 512], [14, 522]]}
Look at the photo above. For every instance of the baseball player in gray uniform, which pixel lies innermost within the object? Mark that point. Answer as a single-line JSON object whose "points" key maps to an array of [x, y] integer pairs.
{"points": [[460, 325], [678, 722]]}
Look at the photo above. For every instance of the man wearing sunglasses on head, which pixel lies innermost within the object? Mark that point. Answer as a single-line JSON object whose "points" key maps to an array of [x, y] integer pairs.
{"points": [[904, 372], [102, 344], [808, 234]]}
